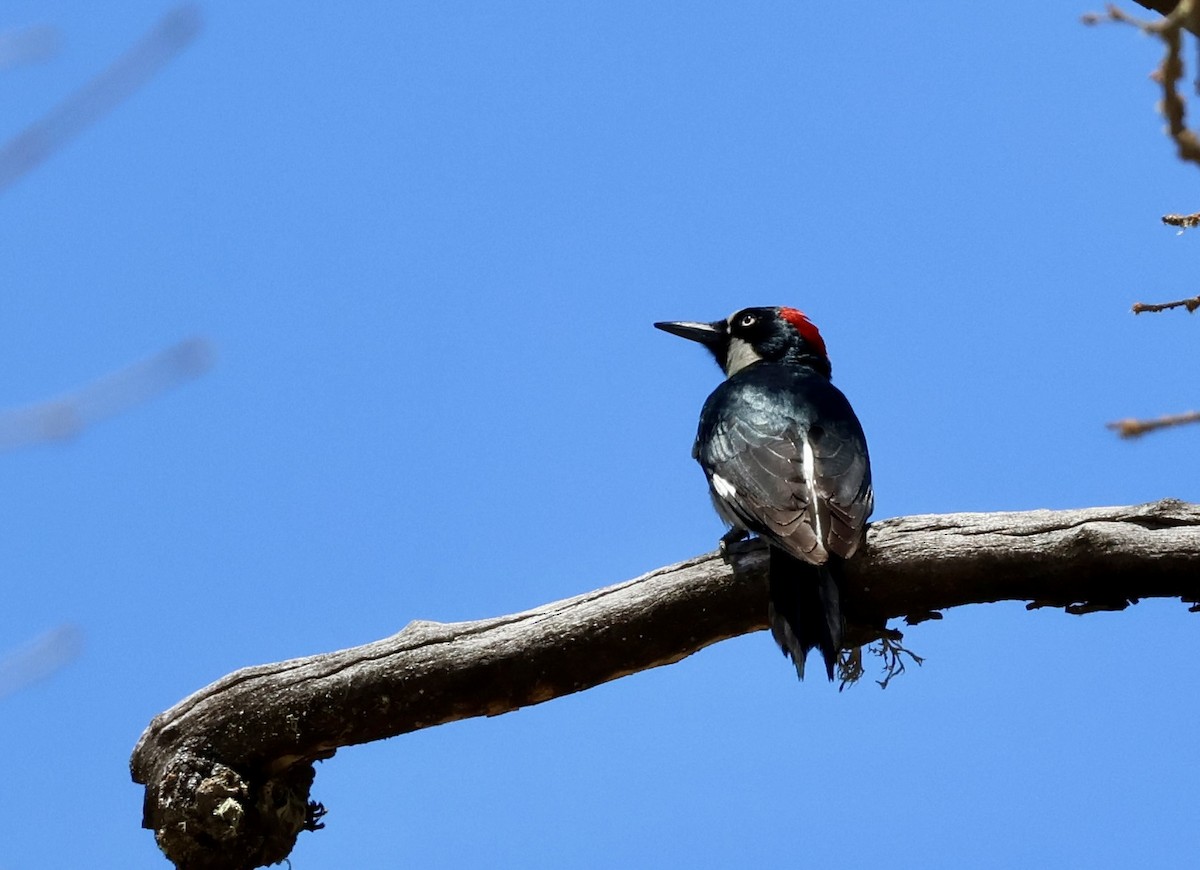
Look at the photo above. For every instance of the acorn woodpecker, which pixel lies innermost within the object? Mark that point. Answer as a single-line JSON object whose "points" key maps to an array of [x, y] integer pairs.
{"points": [[786, 459]]}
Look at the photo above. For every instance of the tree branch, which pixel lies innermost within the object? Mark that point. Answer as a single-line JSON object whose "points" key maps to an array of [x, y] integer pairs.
{"points": [[1183, 15], [228, 770]]}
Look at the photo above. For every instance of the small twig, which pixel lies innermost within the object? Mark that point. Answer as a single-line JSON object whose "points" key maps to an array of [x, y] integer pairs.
{"points": [[1182, 220], [1113, 14], [887, 646], [850, 666], [1130, 428], [1191, 304], [893, 654]]}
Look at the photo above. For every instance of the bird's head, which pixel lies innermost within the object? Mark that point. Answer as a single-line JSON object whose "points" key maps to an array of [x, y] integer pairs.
{"points": [[751, 335]]}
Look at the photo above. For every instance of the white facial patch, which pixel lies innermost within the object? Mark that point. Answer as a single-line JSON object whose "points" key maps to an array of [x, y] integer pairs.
{"points": [[739, 355], [723, 487]]}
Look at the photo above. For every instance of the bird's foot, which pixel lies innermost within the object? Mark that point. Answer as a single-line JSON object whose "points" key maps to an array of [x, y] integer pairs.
{"points": [[729, 539]]}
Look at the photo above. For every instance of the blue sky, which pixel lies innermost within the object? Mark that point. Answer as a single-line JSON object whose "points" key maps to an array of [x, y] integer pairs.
{"points": [[426, 242]]}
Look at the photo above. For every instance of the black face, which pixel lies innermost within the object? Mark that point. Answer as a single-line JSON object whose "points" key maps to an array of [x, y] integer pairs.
{"points": [[753, 325], [762, 330]]}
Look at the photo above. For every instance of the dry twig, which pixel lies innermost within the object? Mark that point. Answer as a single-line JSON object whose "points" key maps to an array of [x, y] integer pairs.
{"points": [[1183, 221], [1191, 304], [1130, 428]]}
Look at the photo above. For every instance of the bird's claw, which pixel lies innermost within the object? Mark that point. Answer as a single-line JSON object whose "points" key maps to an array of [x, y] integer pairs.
{"points": [[729, 539]]}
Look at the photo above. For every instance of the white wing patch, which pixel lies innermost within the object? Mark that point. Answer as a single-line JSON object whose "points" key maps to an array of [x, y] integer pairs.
{"points": [[723, 487], [809, 466]]}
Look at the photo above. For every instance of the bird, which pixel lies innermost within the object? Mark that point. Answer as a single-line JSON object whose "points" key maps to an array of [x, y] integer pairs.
{"points": [[786, 460]]}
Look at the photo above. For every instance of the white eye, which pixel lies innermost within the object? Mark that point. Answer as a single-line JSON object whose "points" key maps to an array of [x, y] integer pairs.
{"points": [[747, 320]]}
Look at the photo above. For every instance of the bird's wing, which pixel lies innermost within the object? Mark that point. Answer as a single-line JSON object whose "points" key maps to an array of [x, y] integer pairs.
{"points": [[804, 484], [761, 478], [842, 482]]}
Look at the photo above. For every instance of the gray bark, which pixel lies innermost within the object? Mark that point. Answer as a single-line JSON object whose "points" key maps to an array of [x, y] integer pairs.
{"points": [[228, 770]]}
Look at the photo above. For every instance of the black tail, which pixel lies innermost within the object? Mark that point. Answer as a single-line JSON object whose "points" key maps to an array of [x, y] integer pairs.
{"points": [[805, 611]]}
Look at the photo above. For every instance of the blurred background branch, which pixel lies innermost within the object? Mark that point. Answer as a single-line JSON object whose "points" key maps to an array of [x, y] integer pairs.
{"points": [[66, 416], [32, 44], [173, 33], [40, 658]]}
